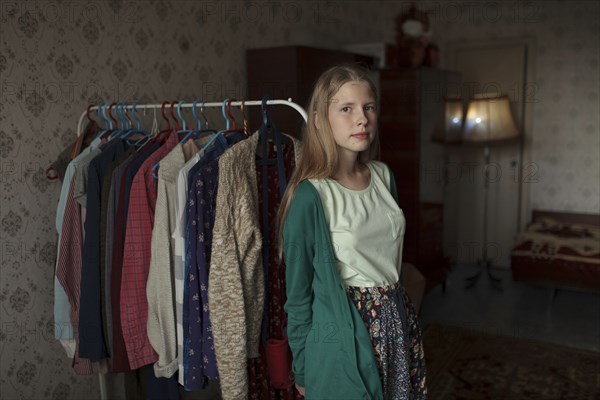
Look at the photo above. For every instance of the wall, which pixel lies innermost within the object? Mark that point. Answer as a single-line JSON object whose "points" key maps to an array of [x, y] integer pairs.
{"points": [[565, 91], [562, 168], [58, 56]]}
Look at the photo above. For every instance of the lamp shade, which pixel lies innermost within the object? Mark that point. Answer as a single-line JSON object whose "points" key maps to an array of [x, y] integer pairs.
{"points": [[448, 129], [489, 119]]}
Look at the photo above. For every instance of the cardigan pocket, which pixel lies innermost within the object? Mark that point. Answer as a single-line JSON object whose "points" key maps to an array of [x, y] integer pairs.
{"points": [[348, 382]]}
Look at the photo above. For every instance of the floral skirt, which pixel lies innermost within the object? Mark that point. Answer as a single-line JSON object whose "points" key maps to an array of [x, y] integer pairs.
{"points": [[396, 337]]}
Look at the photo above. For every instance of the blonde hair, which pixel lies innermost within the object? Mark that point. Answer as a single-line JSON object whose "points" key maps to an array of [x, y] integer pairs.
{"points": [[319, 151]]}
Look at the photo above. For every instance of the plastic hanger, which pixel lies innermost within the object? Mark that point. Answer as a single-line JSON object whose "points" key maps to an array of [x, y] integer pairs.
{"points": [[107, 128], [110, 114], [122, 128], [107, 122], [226, 110], [128, 127], [245, 121], [135, 118], [226, 106], [268, 130], [194, 132], [198, 120], [126, 119], [121, 118], [218, 135], [160, 136], [198, 131], [177, 127], [183, 122], [87, 114], [113, 125]]}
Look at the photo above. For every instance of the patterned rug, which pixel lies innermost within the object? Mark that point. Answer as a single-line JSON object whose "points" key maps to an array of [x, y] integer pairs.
{"points": [[464, 364]]}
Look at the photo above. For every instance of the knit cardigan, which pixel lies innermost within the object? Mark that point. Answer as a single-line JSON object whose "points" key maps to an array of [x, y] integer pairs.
{"points": [[235, 283]]}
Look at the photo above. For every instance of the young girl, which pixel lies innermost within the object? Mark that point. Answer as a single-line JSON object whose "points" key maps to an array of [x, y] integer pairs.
{"points": [[351, 327]]}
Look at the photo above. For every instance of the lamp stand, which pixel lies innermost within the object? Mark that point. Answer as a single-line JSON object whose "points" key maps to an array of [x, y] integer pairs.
{"points": [[484, 262]]}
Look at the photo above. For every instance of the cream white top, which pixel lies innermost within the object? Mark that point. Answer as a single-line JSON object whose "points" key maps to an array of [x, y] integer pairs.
{"points": [[367, 229]]}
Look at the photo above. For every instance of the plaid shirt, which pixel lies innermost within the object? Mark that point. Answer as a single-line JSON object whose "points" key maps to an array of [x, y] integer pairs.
{"points": [[68, 270], [136, 259]]}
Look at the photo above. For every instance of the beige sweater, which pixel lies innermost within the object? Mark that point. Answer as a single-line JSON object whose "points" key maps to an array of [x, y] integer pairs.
{"points": [[235, 284]]}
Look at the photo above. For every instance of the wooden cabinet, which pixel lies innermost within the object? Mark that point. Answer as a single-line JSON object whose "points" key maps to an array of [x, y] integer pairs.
{"points": [[289, 71], [411, 104]]}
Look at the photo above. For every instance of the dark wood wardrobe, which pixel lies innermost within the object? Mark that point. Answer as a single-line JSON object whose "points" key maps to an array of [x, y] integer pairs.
{"points": [[412, 103]]}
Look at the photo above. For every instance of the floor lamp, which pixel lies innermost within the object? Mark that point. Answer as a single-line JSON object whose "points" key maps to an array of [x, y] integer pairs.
{"points": [[488, 121]]}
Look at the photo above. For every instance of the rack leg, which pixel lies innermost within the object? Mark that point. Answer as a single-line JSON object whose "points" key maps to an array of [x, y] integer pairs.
{"points": [[102, 380]]}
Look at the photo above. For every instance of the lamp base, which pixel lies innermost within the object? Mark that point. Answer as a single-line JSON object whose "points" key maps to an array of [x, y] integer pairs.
{"points": [[483, 264]]}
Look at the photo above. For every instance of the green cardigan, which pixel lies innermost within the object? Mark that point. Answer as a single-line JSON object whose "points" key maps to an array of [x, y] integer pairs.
{"points": [[333, 357]]}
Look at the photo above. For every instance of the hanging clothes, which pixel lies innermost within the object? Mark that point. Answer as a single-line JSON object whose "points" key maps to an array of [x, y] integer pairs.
{"points": [[136, 260], [140, 271], [119, 358], [260, 387], [179, 238], [198, 337], [92, 342], [58, 168], [161, 314], [236, 279], [62, 302], [106, 278], [68, 272], [106, 236]]}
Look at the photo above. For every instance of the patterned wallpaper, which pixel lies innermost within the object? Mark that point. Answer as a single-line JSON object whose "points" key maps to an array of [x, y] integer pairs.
{"points": [[56, 56], [566, 123]]}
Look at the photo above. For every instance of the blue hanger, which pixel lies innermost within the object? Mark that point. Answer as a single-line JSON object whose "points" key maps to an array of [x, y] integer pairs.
{"points": [[183, 130], [183, 123], [126, 120], [137, 119], [120, 128], [109, 121], [207, 145], [128, 128], [120, 117], [228, 126], [139, 129], [198, 121], [102, 116], [190, 132]]}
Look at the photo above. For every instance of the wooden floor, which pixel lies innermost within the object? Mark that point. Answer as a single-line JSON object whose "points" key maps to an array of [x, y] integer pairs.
{"points": [[570, 318]]}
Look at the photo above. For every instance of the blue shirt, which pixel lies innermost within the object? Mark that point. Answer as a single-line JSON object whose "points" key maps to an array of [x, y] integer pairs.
{"points": [[200, 363], [91, 339]]}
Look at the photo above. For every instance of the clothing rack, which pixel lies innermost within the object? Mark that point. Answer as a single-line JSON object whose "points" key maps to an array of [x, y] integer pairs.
{"points": [[288, 102]]}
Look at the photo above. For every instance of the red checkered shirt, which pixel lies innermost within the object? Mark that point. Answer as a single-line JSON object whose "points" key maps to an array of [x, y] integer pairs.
{"points": [[136, 259], [68, 270]]}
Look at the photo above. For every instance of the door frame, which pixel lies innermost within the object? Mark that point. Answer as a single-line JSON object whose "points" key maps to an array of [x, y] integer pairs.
{"points": [[527, 166]]}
